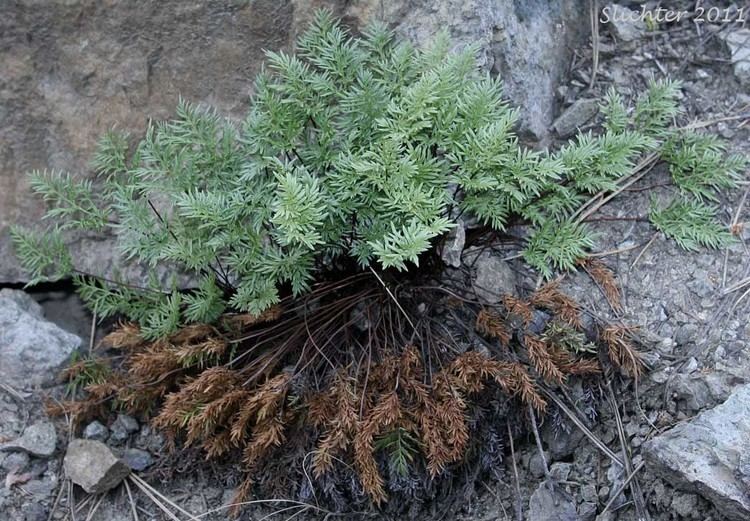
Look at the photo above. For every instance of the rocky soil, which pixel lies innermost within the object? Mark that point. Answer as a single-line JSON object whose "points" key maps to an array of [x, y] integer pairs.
{"points": [[682, 432]]}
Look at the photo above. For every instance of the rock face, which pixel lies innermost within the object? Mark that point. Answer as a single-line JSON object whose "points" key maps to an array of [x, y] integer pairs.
{"points": [[92, 466], [32, 350], [707, 455], [73, 69]]}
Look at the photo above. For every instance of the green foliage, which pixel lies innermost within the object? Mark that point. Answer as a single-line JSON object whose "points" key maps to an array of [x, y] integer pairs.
{"points": [[559, 334], [360, 147], [400, 446], [559, 244], [691, 224], [44, 255], [699, 165]]}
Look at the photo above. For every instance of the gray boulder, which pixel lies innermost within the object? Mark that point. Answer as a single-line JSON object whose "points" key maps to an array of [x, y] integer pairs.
{"points": [[91, 66], [705, 455], [92, 466], [32, 350]]}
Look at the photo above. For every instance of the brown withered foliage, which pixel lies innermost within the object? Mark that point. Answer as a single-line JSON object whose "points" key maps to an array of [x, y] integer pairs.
{"points": [[491, 324], [542, 359], [622, 353], [250, 387], [520, 308], [126, 335], [561, 305], [605, 278]]}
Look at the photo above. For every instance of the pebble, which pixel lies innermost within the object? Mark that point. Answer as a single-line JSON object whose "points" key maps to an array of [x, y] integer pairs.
{"points": [[137, 459], [96, 431], [15, 462]]}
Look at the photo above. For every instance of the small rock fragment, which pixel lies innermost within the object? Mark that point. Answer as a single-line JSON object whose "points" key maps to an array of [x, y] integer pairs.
{"points": [[494, 279], [92, 466], [39, 439], [137, 459], [453, 246], [15, 462], [560, 471], [122, 428], [587, 511], [550, 503], [96, 431], [575, 116]]}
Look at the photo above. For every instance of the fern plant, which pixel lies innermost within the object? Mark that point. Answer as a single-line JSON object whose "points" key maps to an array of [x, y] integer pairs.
{"points": [[361, 148]]}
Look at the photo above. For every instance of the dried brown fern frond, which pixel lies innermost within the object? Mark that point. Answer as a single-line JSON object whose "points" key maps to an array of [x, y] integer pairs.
{"points": [[155, 361], [563, 306], [340, 425], [215, 415], [126, 336], [491, 324], [208, 351], [605, 278], [181, 406], [584, 366], [241, 496], [241, 321], [267, 434], [264, 403], [621, 351], [192, 334], [543, 359], [520, 308], [516, 380], [385, 414]]}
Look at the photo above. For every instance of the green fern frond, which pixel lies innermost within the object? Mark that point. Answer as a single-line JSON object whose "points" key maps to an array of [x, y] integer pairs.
{"points": [[691, 224]]}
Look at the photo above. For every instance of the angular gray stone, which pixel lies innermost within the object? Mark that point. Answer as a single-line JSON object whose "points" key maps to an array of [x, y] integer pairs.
{"points": [[453, 246], [494, 278], [704, 455], [96, 431], [39, 439], [92, 466], [587, 511], [575, 116], [550, 503], [90, 67], [15, 462], [137, 459], [32, 349], [122, 428]]}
